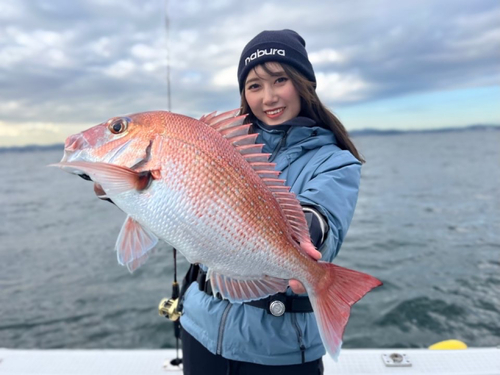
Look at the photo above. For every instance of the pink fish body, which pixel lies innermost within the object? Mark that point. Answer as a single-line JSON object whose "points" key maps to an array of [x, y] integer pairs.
{"points": [[204, 187]]}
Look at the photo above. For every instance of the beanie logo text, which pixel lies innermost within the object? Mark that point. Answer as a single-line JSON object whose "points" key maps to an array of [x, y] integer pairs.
{"points": [[264, 52]]}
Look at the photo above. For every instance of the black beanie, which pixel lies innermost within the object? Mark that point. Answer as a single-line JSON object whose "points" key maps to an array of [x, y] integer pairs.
{"points": [[282, 46]]}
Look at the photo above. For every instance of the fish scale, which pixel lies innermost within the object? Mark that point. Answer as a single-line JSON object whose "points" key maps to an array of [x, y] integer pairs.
{"points": [[230, 208], [213, 196], [185, 208]]}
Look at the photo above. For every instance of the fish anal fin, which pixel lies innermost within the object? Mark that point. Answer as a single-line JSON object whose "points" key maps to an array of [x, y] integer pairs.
{"points": [[239, 291], [133, 243]]}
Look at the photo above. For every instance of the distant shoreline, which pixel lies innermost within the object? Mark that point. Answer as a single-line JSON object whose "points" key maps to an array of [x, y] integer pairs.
{"points": [[353, 133], [477, 127]]}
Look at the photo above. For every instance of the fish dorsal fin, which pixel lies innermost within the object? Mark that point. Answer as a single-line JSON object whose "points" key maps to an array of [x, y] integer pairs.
{"points": [[249, 149], [212, 118], [232, 127], [208, 117]]}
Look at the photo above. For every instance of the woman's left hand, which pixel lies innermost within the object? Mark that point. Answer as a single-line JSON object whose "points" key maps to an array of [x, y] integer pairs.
{"points": [[296, 286]]}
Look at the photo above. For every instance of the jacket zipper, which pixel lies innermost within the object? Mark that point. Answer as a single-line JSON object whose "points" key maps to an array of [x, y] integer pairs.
{"points": [[299, 338], [222, 328], [278, 147]]}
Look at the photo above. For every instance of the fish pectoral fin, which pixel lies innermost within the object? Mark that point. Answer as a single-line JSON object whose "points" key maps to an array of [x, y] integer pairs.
{"points": [[133, 244], [113, 179], [239, 291]]}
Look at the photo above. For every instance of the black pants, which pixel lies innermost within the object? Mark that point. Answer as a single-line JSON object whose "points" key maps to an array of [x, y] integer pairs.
{"points": [[197, 360]]}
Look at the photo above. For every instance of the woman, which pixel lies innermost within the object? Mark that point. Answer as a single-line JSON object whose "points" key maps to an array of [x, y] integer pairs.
{"points": [[311, 147]]}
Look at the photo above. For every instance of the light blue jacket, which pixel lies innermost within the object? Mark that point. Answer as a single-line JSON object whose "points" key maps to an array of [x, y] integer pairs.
{"points": [[321, 175]]}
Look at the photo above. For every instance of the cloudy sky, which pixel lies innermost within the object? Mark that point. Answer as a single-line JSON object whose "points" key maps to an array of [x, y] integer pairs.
{"points": [[411, 64]]}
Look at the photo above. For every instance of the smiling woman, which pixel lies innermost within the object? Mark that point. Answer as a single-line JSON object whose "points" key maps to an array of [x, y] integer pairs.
{"points": [[271, 94], [287, 80], [313, 152]]}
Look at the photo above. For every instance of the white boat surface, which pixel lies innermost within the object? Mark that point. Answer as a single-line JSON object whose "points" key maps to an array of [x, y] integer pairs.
{"points": [[472, 361]]}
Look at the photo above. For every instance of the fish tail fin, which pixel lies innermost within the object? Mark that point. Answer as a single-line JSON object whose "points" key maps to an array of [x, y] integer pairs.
{"points": [[332, 296]]}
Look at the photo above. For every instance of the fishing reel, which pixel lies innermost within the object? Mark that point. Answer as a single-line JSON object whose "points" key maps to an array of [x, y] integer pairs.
{"points": [[168, 309]]}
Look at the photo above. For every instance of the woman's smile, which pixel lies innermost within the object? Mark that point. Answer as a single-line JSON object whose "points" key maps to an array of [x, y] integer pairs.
{"points": [[275, 113]]}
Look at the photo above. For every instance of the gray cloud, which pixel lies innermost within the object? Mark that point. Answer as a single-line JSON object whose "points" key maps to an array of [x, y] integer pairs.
{"points": [[84, 61]]}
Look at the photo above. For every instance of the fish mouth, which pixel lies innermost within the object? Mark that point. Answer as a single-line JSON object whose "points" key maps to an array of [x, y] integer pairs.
{"points": [[74, 145], [71, 156], [74, 150]]}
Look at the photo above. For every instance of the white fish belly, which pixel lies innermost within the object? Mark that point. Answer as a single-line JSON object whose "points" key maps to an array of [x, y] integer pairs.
{"points": [[205, 230]]}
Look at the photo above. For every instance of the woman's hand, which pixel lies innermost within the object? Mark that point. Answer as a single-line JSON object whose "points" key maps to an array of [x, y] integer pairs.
{"points": [[296, 286]]}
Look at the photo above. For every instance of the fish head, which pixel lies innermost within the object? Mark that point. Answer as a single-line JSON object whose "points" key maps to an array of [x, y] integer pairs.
{"points": [[123, 140]]}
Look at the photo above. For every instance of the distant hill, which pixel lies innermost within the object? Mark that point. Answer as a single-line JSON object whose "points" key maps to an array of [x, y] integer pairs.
{"points": [[30, 148], [355, 133], [477, 127]]}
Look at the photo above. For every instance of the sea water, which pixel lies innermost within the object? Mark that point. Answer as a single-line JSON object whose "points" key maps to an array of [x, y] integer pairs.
{"points": [[427, 224]]}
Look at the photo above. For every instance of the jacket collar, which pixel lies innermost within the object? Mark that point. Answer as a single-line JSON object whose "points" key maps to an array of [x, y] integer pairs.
{"points": [[297, 121], [299, 132]]}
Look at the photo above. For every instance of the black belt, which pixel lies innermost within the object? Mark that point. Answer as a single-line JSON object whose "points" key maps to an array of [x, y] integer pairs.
{"points": [[276, 304]]}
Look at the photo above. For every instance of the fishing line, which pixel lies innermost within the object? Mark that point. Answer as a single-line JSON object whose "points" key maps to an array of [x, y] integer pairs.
{"points": [[167, 47]]}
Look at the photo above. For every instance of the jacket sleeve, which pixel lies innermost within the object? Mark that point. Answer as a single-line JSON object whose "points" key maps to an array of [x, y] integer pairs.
{"points": [[332, 190], [318, 225]]}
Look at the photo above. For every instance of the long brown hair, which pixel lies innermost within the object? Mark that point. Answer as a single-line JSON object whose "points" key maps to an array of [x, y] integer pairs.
{"points": [[310, 106]]}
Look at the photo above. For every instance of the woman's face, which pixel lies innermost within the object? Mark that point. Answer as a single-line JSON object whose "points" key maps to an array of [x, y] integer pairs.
{"points": [[273, 99]]}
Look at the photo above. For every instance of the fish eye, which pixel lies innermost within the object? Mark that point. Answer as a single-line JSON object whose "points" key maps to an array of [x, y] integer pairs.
{"points": [[119, 125]]}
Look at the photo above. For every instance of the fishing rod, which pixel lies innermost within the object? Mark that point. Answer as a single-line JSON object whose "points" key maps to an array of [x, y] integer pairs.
{"points": [[167, 46], [169, 307]]}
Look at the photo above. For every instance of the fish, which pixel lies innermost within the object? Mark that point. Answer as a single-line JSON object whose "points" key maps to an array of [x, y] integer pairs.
{"points": [[206, 188]]}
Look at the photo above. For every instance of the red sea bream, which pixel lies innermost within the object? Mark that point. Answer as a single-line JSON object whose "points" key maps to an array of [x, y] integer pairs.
{"points": [[204, 187]]}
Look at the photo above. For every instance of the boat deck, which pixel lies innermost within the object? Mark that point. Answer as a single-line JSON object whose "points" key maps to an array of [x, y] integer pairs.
{"points": [[480, 361]]}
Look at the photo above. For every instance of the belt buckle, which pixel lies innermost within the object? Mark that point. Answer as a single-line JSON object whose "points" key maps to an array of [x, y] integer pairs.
{"points": [[277, 308]]}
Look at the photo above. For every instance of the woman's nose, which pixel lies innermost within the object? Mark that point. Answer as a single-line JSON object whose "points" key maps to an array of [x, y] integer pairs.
{"points": [[269, 95]]}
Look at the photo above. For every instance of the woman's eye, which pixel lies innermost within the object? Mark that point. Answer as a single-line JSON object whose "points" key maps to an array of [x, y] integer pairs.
{"points": [[253, 86], [281, 79]]}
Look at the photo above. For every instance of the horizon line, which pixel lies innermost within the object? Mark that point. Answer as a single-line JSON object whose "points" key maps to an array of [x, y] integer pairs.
{"points": [[357, 132]]}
